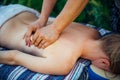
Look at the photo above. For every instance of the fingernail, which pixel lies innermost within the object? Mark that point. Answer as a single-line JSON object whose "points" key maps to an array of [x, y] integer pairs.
{"points": [[29, 44], [26, 43]]}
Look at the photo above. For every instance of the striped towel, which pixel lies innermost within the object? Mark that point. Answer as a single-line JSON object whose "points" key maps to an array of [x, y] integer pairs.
{"points": [[8, 72]]}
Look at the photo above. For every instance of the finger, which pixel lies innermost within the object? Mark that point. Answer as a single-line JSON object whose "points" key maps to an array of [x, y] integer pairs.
{"points": [[28, 41], [28, 33], [42, 43], [27, 36], [45, 45], [34, 38], [38, 41]]}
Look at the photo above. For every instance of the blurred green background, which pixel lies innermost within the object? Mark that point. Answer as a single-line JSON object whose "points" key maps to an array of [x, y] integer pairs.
{"points": [[97, 12]]}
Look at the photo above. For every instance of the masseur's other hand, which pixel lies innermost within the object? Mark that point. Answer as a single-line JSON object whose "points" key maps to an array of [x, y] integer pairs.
{"points": [[31, 30], [45, 36]]}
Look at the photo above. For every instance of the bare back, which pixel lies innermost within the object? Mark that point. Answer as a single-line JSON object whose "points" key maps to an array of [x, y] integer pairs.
{"points": [[70, 42], [65, 51]]}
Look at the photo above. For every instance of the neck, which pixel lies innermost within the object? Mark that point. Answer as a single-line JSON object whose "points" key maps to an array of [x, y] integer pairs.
{"points": [[92, 50]]}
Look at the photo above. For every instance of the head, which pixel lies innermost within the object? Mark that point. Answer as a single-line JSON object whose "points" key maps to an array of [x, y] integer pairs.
{"points": [[111, 47]]}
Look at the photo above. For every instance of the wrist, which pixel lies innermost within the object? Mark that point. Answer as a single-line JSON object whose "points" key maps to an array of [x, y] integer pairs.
{"points": [[42, 23], [59, 25], [55, 27], [43, 20]]}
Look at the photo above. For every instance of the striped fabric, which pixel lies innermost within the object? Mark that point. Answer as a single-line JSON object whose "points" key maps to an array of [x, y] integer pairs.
{"points": [[8, 72], [102, 31]]}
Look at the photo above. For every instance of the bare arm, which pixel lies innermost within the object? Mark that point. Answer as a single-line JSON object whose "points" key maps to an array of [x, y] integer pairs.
{"points": [[49, 65], [41, 22], [45, 36], [71, 10], [46, 10]]}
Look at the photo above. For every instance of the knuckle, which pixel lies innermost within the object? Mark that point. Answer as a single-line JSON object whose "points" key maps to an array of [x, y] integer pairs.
{"points": [[43, 46], [36, 44], [42, 42], [37, 41], [46, 44], [33, 38], [39, 46]]}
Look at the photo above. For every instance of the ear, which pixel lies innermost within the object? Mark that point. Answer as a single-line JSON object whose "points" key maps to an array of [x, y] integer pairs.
{"points": [[102, 63]]}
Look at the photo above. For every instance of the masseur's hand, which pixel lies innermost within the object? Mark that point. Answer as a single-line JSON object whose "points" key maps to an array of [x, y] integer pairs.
{"points": [[31, 30], [45, 36]]}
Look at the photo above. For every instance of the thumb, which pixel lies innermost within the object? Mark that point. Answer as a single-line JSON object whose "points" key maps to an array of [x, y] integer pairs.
{"points": [[27, 36]]}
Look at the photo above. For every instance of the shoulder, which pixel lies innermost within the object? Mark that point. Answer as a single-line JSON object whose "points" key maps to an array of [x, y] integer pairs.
{"points": [[86, 31]]}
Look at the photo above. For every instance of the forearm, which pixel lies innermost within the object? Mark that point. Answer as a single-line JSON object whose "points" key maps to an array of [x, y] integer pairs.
{"points": [[71, 10], [48, 65], [47, 8]]}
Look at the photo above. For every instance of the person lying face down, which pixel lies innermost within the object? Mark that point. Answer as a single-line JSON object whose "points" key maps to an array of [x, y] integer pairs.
{"points": [[76, 41]]}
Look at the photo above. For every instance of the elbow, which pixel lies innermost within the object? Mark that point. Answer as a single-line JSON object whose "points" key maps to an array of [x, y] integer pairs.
{"points": [[10, 57], [62, 69], [65, 68], [66, 65]]}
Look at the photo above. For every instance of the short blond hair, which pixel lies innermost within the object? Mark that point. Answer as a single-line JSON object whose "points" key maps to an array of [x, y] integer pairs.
{"points": [[111, 46]]}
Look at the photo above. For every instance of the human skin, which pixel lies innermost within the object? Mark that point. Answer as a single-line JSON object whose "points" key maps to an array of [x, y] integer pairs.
{"points": [[59, 58], [47, 35]]}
